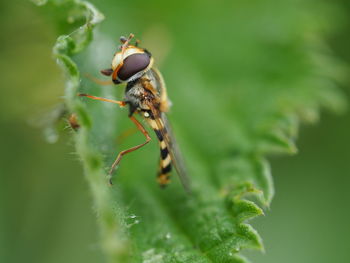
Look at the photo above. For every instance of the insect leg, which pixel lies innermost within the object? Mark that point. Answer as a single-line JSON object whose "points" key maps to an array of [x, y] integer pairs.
{"points": [[120, 103], [122, 153]]}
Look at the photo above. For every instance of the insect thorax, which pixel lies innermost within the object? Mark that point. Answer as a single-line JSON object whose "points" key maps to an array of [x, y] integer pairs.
{"points": [[139, 93]]}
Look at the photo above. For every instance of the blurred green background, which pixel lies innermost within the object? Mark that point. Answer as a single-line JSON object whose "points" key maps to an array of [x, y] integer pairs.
{"points": [[46, 213]]}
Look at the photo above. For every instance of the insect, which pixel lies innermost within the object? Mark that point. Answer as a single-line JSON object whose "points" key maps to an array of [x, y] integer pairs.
{"points": [[145, 95], [73, 122]]}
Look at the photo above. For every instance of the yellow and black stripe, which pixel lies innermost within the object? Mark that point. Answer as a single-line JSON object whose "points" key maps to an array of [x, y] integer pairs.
{"points": [[165, 165], [163, 176]]}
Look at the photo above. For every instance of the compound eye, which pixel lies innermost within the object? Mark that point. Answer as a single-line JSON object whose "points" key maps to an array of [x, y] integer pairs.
{"points": [[133, 64]]}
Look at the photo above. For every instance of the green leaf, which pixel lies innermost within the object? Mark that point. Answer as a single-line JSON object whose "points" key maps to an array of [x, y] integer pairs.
{"points": [[238, 96]]}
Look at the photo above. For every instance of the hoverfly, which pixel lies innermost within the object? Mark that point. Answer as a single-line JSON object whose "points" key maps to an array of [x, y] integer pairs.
{"points": [[146, 95]]}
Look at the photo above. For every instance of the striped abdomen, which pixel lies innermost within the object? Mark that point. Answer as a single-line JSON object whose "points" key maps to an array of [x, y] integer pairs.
{"points": [[165, 163], [163, 176]]}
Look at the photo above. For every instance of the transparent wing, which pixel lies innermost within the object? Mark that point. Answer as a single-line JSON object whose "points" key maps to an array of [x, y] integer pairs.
{"points": [[161, 88], [169, 139]]}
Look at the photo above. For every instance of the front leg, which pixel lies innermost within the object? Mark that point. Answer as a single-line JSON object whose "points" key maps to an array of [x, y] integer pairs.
{"points": [[120, 103]]}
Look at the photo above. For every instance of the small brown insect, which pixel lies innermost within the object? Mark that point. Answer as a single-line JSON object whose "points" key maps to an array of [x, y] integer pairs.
{"points": [[73, 122], [146, 95]]}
